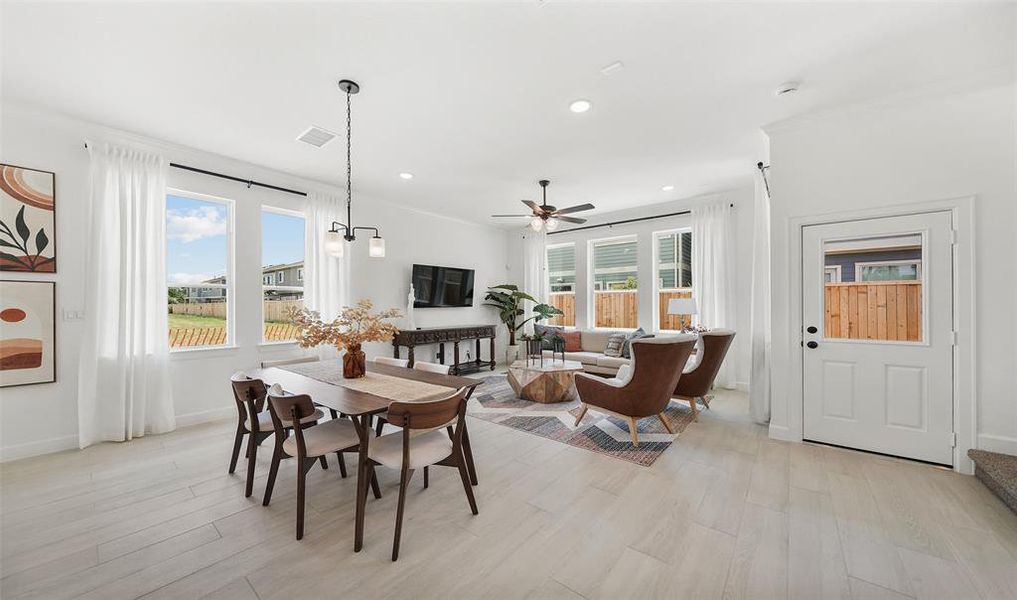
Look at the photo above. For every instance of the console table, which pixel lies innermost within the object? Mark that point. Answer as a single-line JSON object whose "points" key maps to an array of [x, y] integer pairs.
{"points": [[443, 335]]}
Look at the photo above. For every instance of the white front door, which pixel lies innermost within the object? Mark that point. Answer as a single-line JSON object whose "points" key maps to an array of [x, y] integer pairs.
{"points": [[877, 328]]}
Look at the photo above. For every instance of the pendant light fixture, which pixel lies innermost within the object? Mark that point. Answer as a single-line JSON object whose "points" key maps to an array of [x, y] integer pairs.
{"points": [[340, 233]]}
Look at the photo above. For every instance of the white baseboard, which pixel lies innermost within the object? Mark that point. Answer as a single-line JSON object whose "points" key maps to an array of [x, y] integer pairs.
{"points": [[58, 444], [997, 443], [206, 416], [779, 432], [742, 386]]}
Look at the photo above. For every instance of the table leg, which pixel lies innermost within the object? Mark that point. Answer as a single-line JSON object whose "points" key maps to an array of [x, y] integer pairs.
{"points": [[395, 350], [363, 473], [455, 348], [411, 357], [467, 448], [493, 360], [441, 353]]}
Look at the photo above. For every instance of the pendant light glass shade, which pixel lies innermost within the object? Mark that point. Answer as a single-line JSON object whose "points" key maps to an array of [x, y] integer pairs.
{"points": [[377, 247], [536, 223], [334, 245], [552, 224]]}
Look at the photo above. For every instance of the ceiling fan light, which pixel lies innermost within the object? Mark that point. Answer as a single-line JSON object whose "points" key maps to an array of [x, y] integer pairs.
{"points": [[334, 246], [377, 247], [536, 223], [552, 224]]}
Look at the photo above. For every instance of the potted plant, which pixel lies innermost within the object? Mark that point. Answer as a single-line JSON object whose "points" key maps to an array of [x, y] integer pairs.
{"points": [[508, 299], [354, 326]]}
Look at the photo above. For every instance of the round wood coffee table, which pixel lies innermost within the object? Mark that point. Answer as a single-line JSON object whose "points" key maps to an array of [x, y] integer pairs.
{"points": [[554, 381]]}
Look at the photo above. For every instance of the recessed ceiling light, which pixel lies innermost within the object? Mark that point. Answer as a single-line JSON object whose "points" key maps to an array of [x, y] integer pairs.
{"points": [[667, 188], [580, 106], [406, 175]]}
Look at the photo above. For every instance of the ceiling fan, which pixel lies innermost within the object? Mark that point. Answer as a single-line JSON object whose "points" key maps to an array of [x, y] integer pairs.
{"points": [[547, 217]]}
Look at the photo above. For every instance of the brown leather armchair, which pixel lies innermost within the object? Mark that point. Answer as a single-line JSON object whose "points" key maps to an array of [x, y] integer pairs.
{"points": [[697, 381], [656, 366]]}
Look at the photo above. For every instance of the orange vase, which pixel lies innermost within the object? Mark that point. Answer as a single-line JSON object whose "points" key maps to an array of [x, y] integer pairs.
{"points": [[354, 362]]}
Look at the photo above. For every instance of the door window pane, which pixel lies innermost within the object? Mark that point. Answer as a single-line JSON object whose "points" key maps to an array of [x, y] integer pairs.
{"points": [[197, 270], [561, 273], [674, 276], [282, 260], [873, 288], [615, 283]]}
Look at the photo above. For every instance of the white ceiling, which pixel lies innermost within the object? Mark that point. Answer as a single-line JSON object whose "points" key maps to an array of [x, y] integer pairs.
{"points": [[473, 98]]}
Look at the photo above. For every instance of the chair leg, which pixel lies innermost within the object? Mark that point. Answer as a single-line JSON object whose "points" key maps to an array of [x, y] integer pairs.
{"points": [[706, 401], [252, 459], [379, 427], [634, 431], [272, 472], [582, 414], [425, 477], [468, 454], [667, 424], [404, 482], [695, 409], [374, 484], [335, 413], [342, 465], [466, 483], [237, 442], [301, 483], [324, 462]]}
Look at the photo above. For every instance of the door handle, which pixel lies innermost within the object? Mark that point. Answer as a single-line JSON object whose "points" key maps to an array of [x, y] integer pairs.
{"points": [[812, 345], [812, 329]]}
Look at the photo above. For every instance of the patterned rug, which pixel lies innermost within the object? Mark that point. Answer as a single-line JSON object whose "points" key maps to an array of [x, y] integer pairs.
{"points": [[599, 432]]}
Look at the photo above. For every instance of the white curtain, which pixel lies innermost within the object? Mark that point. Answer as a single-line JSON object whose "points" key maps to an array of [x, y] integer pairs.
{"points": [[326, 278], [759, 378], [534, 271], [123, 373], [713, 271]]}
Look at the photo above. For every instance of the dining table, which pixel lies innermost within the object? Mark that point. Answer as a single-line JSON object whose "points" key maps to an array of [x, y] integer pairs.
{"points": [[361, 406]]}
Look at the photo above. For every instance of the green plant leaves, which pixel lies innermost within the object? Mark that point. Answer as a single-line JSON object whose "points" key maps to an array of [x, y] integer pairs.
{"points": [[41, 241], [21, 226]]}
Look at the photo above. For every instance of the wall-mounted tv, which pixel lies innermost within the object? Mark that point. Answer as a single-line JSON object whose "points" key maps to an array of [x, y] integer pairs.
{"points": [[442, 287]]}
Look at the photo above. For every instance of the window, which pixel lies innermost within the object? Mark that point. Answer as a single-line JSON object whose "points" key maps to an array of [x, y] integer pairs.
{"points": [[561, 273], [673, 276], [198, 270], [615, 282], [892, 270], [282, 257], [831, 273]]}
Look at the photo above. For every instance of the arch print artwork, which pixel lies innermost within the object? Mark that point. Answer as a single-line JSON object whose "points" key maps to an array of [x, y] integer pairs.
{"points": [[27, 332], [27, 220]]}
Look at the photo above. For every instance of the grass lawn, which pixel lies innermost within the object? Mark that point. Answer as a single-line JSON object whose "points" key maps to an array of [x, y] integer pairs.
{"points": [[194, 322]]}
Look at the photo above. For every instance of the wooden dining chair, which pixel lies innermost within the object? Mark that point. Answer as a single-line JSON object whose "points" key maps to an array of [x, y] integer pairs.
{"points": [[392, 362], [249, 395], [430, 367], [288, 361], [308, 445], [412, 449]]}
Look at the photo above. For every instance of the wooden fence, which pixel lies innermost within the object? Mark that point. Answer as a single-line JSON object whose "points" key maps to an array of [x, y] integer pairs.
{"points": [[615, 309], [275, 310], [565, 302], [885, 310], [672, 322]]}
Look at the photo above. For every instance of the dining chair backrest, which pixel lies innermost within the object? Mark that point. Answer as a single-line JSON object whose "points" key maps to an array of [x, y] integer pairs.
{"points": [[698, 381], [288, 361], [428, 414], [392, 362], [249, 395], [290, 408], [431, 367]]}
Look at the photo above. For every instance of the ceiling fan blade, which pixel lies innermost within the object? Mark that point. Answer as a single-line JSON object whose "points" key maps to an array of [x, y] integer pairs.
{"points": [[526, 216], [574, 209], [536, 207], [571, 219]]}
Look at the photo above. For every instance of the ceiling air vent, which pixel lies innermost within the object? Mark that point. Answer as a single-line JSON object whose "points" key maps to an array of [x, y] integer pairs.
{"points": [[316, 136]]}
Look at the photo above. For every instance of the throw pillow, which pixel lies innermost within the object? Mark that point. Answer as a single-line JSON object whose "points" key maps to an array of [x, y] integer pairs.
{"points": [[573, 341], [614, 345], [626, 347], [549, 332]]}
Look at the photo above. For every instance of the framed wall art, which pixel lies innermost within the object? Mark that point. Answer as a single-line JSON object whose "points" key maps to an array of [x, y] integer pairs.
{"points": [[27, 220], [27, 332]]}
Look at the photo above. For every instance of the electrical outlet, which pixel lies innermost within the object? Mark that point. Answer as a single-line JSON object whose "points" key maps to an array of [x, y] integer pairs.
{"points": [[74, 315]]}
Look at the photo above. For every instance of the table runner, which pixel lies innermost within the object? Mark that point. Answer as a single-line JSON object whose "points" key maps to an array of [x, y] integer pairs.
{"points": [[384, 386]]}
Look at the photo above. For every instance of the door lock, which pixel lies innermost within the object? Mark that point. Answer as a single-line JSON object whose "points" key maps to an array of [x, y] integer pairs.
{"points": [[812, 345], [811, 329]]}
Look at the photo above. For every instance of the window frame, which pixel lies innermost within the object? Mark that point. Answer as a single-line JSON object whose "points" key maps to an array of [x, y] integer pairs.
{"points": [[838, 273], [888, 263], [575, 277], [229, 286], [289, 212], [591, 279], [657, 289]]}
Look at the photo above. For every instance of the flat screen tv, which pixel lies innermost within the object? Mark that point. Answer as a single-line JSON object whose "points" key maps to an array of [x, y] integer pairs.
{"points": [[442, 287]]}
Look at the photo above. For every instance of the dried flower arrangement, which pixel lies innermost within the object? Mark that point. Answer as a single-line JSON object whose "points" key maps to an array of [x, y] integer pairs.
{"points": [[354, 326]]}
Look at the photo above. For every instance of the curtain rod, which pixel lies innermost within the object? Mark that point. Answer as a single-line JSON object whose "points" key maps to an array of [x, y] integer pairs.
{"points": [[625, 221], [249, 182]]}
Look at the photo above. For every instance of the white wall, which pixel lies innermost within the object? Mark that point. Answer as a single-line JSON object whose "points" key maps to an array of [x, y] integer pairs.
{"points": [[908, 152], [43, 418], [742, 199]]}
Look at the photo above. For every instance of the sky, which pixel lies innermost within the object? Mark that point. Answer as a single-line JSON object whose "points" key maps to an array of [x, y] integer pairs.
{"points": [[197, 238]]}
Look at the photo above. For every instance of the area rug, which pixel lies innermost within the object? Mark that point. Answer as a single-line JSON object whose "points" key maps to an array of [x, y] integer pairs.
{"points": [[599, 432]]}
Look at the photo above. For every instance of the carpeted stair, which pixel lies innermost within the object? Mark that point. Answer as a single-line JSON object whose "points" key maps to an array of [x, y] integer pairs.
{"points": [[999, 473]]}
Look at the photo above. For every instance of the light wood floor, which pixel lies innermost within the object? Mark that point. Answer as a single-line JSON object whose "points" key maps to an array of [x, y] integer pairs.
{"points": [[725, 513]]}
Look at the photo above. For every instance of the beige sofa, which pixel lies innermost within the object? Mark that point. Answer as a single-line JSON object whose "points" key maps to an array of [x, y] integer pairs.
{"points": [[592, 355]]}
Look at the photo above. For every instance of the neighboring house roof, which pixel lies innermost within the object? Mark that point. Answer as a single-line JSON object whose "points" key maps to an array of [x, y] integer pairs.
{"points": [[264, 271]]}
